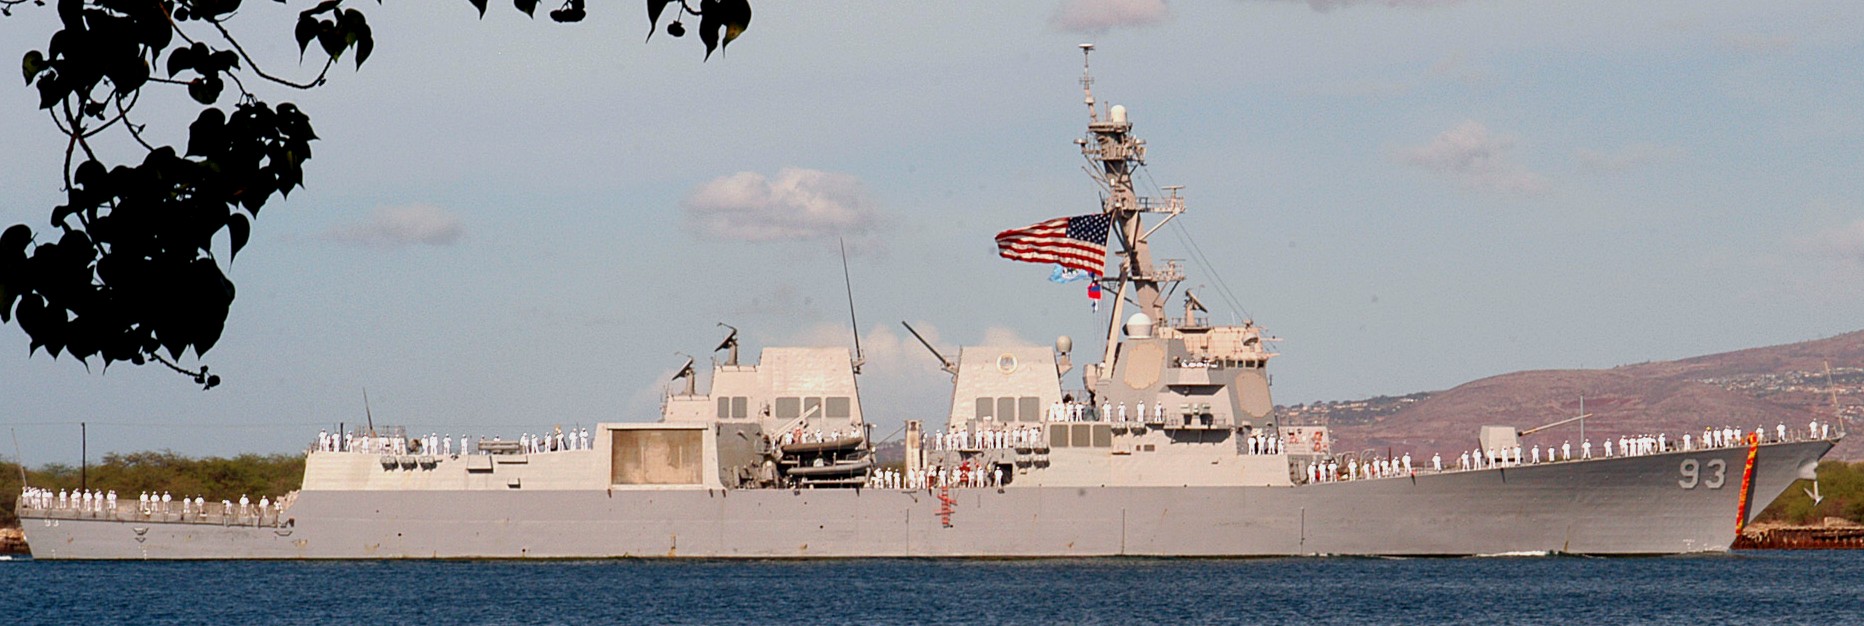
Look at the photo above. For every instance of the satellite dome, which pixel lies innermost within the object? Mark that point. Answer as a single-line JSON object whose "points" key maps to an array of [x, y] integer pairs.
{"points": [[1139, 326]]}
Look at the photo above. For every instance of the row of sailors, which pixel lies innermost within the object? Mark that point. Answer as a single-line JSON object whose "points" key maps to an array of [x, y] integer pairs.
{"points": [[1263, 443], [990, 439], [574, 439], [101, 501], [799, 435], [936, 477], [1638, 445], [1109, 412], [1332, 471]]}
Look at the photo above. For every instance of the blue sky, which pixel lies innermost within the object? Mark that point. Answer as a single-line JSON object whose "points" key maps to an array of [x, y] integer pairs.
{"points": [[511, 224]]}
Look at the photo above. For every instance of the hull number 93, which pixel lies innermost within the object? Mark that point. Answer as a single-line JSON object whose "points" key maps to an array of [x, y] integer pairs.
{"points": [[1693, 472]]}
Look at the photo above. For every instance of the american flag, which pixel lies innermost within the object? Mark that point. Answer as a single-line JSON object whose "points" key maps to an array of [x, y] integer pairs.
{"points": [[1078, 242]]}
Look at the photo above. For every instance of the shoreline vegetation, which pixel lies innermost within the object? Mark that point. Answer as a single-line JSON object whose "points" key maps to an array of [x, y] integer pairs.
{"points": [[130, 474], [1841, 484]]}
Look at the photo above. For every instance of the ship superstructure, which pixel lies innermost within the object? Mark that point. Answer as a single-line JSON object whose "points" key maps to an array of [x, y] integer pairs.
{"points": [[1170, 447]]}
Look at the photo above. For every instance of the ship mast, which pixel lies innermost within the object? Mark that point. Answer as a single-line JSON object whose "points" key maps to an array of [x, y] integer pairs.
{"points": [[1114, 154]]}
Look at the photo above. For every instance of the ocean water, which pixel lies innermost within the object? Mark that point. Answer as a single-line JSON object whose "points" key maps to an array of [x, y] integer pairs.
{"points": [[1760, 587]]}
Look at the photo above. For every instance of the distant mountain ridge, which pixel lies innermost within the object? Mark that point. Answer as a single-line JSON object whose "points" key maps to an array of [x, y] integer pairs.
{"points": [[1783, 384]]}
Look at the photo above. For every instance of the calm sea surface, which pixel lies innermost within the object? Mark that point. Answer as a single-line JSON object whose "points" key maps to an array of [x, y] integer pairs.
{"points": [[1746, 587]]}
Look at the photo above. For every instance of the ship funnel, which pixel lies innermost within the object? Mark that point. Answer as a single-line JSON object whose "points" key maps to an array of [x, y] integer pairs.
{"points": [[1117, 113], [1139, 326]]}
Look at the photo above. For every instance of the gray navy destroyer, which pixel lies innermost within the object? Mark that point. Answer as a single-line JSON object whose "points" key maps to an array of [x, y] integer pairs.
{"points": [[776, 459]]}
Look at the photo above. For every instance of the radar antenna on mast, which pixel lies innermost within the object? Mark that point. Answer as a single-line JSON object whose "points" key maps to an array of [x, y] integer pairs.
{"points": [[1087, 83], [731, 343], [943, 363], [366, 413], [686, 372]]}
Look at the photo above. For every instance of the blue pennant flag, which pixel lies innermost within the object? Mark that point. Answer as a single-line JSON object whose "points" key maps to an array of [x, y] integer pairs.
{"points": [[1065, 275]]}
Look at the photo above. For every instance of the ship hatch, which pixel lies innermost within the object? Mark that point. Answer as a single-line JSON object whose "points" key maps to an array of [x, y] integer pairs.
{"points": [[656, 456]]}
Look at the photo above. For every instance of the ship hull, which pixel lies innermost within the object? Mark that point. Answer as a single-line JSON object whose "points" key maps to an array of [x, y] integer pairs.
{"points": [[1627, 505]]}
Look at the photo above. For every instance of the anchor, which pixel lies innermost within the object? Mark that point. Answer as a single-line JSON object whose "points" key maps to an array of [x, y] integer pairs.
{"points": [[1814, 493]]}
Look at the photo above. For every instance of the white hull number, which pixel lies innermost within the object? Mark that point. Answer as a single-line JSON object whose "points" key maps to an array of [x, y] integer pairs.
{"points": [[1692, 474]]}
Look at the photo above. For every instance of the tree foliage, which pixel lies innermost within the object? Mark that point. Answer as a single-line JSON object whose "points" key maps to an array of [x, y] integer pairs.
{"points": [[214, 478], [127, 270], [1841, 485]]}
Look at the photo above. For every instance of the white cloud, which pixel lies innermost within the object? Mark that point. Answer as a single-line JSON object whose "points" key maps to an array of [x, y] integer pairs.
{"points": [[1099, 16], [1627, 157], [394, 226], [796, 204], [1845, 242], [1476, 159]]}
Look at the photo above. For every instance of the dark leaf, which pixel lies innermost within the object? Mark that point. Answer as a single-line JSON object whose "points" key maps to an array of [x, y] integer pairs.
{"points": [[206, 134], [128, 76], [89, 175], [529, 7], [323, 7], [708, 32], [654, 8], [224, 60], [14, 240], [182, 59], [304, 32], [51, 90], [32, 65], [205, 89], [356, 31], [61, 212], [331, 39], [239, 230], [71, 12], [479, 4], [737, 17]]}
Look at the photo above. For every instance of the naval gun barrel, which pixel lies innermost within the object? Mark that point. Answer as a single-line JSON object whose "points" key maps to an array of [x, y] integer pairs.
{"points": [[944, 363], [1542, 427]]}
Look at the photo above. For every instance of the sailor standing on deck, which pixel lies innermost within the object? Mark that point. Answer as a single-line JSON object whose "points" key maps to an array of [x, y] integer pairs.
{"points": [[1122, 411], [1436, 462], [1585, 449]]}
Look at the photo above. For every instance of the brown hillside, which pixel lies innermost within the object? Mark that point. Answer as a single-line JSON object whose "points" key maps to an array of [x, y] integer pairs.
{"points": [[1846, 350], [1744, 389]]}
